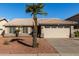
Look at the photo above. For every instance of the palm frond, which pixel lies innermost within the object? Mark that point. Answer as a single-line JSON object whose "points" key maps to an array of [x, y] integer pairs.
{"points": [[40, 5], [35, 9], [42, 13], [29, 8]]}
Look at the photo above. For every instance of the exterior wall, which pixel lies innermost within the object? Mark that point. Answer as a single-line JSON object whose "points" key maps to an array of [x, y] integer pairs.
{"points": [[7, 30], [72, 32], [48, 32], [29, 30], [21, 30], [76, 30], [42, 31]]}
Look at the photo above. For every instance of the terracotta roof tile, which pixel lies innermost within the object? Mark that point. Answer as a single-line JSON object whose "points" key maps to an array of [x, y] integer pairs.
{"points": [[30, 22]]}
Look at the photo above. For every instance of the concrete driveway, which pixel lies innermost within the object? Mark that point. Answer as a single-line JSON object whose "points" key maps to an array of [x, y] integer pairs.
{"points": [[66, 47]]}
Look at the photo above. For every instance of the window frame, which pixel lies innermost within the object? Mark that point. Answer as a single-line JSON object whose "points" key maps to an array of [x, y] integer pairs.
{"points": [[25, 29], [12, 29]]}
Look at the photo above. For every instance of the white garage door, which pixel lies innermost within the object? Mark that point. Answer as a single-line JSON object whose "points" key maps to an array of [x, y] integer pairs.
{"points": [[56, 32]]}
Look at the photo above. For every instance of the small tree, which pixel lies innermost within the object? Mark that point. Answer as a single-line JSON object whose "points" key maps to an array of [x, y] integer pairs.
{"points": [[17, 32], [3, 33], [35, 9]]}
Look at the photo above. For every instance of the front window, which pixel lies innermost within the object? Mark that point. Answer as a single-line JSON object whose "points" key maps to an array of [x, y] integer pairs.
{"points": [[60, 26], [47, 26], [66, 26], [53, 26], [12, 30], [1, 27], [25, 29]]}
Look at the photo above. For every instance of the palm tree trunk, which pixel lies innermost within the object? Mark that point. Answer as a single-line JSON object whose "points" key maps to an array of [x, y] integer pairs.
{"points": [[35, 32]]}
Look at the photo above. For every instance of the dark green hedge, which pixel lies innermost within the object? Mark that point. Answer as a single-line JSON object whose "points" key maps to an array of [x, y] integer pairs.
{"points": [[76, 34]]}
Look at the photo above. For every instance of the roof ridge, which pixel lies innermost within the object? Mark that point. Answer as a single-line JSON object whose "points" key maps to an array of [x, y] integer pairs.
{"points": [[37, 18]]}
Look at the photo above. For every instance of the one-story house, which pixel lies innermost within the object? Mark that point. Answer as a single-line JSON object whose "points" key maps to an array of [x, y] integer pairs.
{"points": [[48, 27]]}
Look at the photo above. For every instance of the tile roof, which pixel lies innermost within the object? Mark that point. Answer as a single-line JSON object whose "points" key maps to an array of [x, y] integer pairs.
{"points": [[74, 17], [56, 21], [19, 22], [3, 19], [30, 22]]}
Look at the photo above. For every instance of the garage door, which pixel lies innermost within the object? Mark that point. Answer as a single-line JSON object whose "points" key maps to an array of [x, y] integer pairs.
{"points": [[56, 32]]}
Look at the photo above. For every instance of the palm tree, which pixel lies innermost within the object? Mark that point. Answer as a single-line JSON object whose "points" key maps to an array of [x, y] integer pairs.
{"points": [[35, 9]]}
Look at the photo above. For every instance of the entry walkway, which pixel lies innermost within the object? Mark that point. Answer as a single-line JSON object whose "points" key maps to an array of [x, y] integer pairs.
{"points": [[68, 47]]}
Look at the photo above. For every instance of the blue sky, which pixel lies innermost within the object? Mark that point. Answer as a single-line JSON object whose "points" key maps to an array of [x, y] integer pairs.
{"points": [[54, 10]]}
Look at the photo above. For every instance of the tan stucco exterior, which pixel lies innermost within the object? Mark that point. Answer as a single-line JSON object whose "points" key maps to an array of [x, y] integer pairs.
{"points": [[2, 27], [7, 31]]}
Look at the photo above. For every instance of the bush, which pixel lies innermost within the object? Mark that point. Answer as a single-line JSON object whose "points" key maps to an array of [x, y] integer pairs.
{"points": [[76, 34], [17, 33]]}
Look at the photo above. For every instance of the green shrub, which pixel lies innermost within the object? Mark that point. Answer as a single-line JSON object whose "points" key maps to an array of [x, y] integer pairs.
{"points": [[17, 32], [76, 34]]}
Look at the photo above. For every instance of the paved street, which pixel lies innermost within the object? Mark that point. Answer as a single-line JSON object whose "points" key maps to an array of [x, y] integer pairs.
{"points": [[66, 46]]}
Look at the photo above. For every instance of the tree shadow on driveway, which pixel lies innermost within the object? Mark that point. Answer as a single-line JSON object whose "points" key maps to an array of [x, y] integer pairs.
{"points": [[20, 42]]}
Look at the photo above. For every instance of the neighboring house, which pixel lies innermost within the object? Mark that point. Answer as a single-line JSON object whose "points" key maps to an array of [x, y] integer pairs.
{"points": [[49, 28], [76, 19], [73, 18], [2, 22]]}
